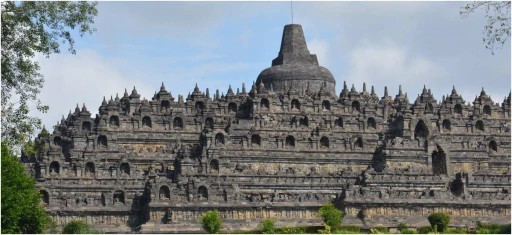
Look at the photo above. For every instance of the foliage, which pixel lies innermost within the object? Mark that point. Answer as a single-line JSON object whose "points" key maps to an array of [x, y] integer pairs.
{"points": [[331, 215], [497, 29], [441, 220], [379, 230], [211, 222], [52, 227], [78, 227], [21, 208], [268, 226], [492, 228], [457, 231], [408, 231], [402, 226], [326, 230], [425, 229], [290, 230], [37, 147], [30, 28], [347, 229], [341, 231]]}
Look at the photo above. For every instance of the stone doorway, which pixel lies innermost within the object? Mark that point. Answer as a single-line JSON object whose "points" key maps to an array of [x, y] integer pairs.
{"points": [[439, 161]]}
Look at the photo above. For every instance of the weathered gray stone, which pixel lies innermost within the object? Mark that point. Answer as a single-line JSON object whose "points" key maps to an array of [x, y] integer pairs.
{"points": [[280, 151]]}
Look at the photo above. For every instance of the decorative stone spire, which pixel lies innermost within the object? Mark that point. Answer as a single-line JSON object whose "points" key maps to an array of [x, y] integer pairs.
{"points": [[117, 98], [293, 48], [482, 93], [417, 101], [217, 94], [237, 91], [353, 89], [244, 92], [399, 90], [134, 94], [386, 98], [162, 88], [230, 91], [344, 91], [364, 92], [373, 92], [84, 109], [104, 102], [207, 93], [125, 93], [77, 109], [454, 92], [424, 92], [196, 90]]}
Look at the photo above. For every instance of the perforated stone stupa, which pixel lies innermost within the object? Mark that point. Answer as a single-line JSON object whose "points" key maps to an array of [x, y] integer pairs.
{"points": [[279, 150]]}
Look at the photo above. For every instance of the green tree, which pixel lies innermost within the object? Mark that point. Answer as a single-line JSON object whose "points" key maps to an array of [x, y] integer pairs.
{"points": [[211, 222], [78, 227], [22, 211], [497, 29], [439, 220], [331, 215], [30, 28]]}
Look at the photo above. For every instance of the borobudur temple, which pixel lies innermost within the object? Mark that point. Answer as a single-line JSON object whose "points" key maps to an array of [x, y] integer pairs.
{"points": [[279, 149]]}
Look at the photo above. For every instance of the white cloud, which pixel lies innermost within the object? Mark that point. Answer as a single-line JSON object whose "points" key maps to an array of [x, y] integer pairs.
{"points": [[82, 78], [321, 49], [385, 63]]}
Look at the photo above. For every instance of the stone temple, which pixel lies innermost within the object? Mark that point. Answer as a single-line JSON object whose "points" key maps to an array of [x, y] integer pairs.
{"points": [[278, 149]]}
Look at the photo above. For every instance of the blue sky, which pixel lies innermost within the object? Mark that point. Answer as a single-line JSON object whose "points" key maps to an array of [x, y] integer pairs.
{"points": [[216, 44]]}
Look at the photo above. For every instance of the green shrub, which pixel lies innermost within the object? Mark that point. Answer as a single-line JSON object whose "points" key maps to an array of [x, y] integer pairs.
{"points": [[268, 226], [402, 226], [290, 230], [78, 227], [52, 226], [341, 231], [440, 219], [457, 231], [211, 222], [492, 228], [408, 231], [331, 215], [350, 228], [312, 229], [326, 230], [379, 230], [425, 229]]}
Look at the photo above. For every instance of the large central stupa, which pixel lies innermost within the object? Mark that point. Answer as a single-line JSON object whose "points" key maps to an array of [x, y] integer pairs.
{"points": [[295, 69]]}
